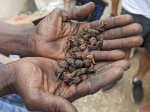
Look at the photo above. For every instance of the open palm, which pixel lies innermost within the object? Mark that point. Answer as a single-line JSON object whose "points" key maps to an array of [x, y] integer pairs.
{"points": [[36, 82], [50, 35]]}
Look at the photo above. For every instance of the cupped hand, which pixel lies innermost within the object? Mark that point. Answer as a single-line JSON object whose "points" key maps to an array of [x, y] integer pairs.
{"points": [[35, 81], [49, 37]]}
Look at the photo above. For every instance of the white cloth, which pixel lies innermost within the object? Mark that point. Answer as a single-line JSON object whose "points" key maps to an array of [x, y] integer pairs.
{"points": [[140, 7], [49, 5]]}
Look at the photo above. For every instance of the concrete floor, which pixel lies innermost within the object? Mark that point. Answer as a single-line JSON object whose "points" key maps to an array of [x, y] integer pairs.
{"points": [[119, 98]]}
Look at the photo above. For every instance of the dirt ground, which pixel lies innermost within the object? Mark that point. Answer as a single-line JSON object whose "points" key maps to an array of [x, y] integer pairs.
{"points": [[119, 98]]}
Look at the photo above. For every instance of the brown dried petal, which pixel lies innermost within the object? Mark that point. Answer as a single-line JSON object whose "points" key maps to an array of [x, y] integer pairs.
{"points": [[68, 76], [91, 57]]}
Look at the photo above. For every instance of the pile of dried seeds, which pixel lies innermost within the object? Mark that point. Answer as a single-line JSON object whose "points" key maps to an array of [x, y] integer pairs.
{"points": [[73, 67]]}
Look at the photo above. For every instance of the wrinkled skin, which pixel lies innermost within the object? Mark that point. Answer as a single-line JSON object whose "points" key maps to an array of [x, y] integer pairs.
{"points": [[34, 78], [35, 81], [49, 37]]}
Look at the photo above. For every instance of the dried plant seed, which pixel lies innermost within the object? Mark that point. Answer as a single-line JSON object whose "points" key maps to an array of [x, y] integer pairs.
{"points": [[71, 38], [87, 62], [90, 70], [99, 44], [84, 77], [81, 41], [70, 60], [85, 29], [86, 36], [92, 48], [78, 55], [68, 76], [91, 33], [93, 41], [63, 63], [91, 57], [74, 44], [59, 71], [72, 68], [76, 80], [78, 63], [83, 47], [81, 71], [67, 47], [75, 49]]}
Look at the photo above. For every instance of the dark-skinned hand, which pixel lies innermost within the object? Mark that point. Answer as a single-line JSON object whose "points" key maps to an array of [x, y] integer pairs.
{"points": [[49, 37], [35, 81], [34, 78]]}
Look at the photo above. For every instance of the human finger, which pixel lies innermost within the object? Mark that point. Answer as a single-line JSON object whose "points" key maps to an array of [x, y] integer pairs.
{"points": [[78, 12], [112, 22], [103, 68], [49, 103], [121, 32], [105, 55], [129, 42]]}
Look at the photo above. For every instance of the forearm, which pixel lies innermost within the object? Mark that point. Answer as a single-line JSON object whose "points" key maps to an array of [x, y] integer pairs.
{"points": [[114, 6], [15, 40], [7, 77]]}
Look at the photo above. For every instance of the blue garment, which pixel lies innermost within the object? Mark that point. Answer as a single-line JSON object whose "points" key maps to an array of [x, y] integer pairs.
{"points": [[12, 103], [98, 10]]}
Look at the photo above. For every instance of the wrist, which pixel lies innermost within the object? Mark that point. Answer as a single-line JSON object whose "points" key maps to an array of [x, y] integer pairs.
{"points": [[16, 40], [28, 42], [7, 78]]}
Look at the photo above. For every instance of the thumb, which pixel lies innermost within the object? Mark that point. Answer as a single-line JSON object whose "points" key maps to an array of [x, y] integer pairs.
{"points": [[79, 12], [51, 103]]}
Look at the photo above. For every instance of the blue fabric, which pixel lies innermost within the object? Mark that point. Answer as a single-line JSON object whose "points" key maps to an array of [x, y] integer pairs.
{"points": [[100, 10], [12, 103]]}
